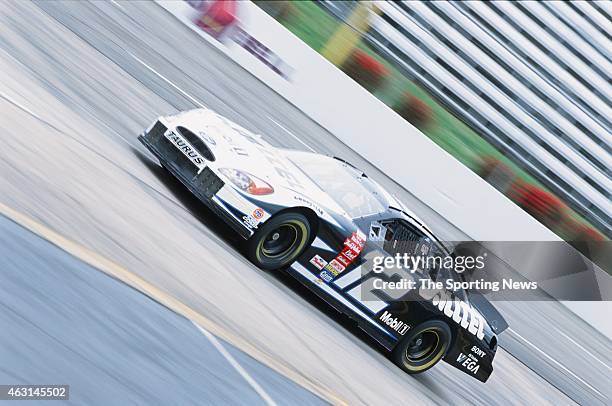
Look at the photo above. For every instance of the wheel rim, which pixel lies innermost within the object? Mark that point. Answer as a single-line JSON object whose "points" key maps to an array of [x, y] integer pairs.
{"points": [[280, 241], [423, 346]]}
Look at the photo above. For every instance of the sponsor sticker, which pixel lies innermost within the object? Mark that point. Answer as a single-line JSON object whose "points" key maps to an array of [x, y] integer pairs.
{"points": [[309, 203], [394, 323], [250, 221], [343, 260], [326, 276], [253, 220], [353, 246], [358, 240], [258, 213], [469, 362], [361, 237], [318, 262], [478, 351], [337, 265], [331, 270], [355, 242], [349, 254]]}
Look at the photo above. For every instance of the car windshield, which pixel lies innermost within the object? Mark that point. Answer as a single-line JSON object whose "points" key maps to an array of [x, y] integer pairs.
{"points": [[340, 181]]}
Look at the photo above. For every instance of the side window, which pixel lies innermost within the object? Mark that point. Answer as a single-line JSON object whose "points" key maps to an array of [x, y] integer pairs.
{"points": [[401, 238]]}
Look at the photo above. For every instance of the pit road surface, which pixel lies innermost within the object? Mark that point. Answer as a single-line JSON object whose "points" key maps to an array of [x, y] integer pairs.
{"points": [[81, 80]]}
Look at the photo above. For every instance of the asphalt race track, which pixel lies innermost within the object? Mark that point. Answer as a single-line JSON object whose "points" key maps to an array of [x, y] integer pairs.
{"points": [[81, 316], [79, 82]]}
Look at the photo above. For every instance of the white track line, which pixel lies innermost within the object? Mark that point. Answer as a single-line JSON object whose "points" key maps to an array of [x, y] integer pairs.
{"points": [[162, 77], [557, 363], [116, 4], [291, 134], [247, 377], [582, 348], [21, 106]]}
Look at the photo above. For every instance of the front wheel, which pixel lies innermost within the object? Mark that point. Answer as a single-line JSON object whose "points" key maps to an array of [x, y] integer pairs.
{"points": [[422, 347], [279, 241]]}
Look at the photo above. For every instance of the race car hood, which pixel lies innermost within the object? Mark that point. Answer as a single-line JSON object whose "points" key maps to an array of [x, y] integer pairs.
{"points": [[234, 147]]}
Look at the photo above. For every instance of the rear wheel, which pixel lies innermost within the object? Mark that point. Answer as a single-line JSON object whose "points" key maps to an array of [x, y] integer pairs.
{"points": [[279, 241], [423, 346]]}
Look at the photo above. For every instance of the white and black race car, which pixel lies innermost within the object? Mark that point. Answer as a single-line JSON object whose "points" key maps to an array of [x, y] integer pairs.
{"points": [[319, 218]]}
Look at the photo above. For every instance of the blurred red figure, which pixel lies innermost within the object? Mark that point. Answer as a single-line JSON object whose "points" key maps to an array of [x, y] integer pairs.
{"points": [[217, 16], [365, 70], [539, 203], [582, 232]]}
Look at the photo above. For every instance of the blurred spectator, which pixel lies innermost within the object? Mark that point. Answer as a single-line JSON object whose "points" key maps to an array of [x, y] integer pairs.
{"points": [[496, 173], [281, 10], [587, 240], [541, 204], [415, 111], [365, 70]]}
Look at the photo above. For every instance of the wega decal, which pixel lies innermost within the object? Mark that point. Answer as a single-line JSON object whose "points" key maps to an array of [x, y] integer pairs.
{"points": [[258, 213], [394, 323], [185, 148], [469, 362]]}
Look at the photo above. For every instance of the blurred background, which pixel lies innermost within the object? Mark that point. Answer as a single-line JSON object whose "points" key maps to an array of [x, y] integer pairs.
{"points": [[517, 91]]}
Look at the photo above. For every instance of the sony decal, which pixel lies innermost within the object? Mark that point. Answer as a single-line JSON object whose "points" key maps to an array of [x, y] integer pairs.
{"points": [[476, 350]]}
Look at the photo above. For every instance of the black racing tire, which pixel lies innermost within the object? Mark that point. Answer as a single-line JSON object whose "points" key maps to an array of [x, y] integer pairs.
{"points": [[279, 241], [423, 347]]}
